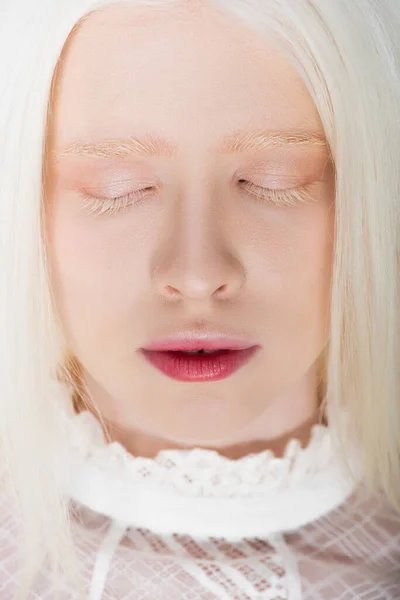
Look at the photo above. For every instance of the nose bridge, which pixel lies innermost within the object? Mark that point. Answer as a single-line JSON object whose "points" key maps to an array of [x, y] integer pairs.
{"points": [[198, 228], [196, 260]]}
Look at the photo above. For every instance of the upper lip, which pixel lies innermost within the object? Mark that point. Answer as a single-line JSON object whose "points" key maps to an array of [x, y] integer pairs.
{"points": [[190, 342]]}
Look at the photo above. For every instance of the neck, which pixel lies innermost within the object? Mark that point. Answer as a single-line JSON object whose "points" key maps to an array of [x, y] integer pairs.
{"points": [[290, 415]]}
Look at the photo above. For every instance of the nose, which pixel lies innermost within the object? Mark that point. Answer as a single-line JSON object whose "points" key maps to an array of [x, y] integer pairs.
{"points": [[197, 263]]}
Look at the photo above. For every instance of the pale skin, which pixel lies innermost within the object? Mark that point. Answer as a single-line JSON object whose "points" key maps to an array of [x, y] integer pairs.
{"points": [[201, 248]]}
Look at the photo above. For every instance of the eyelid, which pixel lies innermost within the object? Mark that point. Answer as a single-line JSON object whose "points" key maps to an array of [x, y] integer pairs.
{"points": [[116, 188], [94, 205], [291, 196]]}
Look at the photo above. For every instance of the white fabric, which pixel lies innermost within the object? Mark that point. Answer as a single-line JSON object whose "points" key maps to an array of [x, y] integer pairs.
{"points": [[104, 558], [194, 525]]}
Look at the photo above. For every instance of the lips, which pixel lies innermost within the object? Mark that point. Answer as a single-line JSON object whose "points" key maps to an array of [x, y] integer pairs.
{"points": [[199, 366]]}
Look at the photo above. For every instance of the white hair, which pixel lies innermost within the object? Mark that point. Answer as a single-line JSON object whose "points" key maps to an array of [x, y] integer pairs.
{"points": [[348, 54]]}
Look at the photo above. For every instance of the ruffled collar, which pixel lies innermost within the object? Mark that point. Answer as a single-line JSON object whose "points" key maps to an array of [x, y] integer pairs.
{"points": [[199, 492]]}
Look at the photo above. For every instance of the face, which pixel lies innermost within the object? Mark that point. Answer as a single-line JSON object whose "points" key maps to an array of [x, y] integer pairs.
{"points": [[207, 234]]}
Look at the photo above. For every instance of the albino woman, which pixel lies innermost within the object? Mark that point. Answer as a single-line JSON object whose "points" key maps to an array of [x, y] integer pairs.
{"points": [[199, 300]]}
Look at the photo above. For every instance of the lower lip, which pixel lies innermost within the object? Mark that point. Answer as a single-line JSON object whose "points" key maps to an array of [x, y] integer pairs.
{"points": [[199, 367]]}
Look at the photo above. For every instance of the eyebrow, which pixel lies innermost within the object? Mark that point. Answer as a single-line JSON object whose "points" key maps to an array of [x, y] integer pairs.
{"points": [[153, 146]]}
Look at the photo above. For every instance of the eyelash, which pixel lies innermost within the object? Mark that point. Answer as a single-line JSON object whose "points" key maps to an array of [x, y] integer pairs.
{"points": [[111, 206], [281, 198]]}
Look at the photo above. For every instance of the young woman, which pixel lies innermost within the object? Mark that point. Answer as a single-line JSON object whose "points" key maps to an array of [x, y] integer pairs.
{"points": [[199, 316]]}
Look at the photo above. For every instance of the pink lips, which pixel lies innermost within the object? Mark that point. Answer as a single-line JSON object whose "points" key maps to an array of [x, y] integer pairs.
{"points": [[171, 358]]}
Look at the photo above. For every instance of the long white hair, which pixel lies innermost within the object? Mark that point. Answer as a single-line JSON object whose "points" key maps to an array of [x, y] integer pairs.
{"points": [[348, 54]]}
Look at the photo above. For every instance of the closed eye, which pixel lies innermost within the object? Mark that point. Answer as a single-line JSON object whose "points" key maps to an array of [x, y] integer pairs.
{"points": [[280, 197], [93, 205]]}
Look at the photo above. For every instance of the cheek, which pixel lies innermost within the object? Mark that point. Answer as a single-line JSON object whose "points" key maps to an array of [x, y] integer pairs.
{"points": [[97, 270], [311, 255], [297, 268], [311, 268]]}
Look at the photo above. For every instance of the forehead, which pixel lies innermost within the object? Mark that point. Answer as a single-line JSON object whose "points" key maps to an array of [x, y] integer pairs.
{"points": [[185, 74]]}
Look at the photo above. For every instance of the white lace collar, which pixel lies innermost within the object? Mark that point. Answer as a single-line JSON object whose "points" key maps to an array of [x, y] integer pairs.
{"points": [[200, 492]]}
